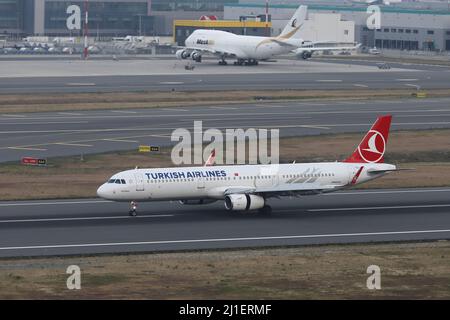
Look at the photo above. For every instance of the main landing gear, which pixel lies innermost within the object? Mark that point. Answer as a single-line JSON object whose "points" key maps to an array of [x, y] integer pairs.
{"points": [[133, 209], [240, 62], [223, 62], [249, 62]]}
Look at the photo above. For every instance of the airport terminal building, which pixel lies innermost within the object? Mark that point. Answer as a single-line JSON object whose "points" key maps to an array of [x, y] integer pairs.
{"points": [[106, 17], [401, 28], [406, 26]]}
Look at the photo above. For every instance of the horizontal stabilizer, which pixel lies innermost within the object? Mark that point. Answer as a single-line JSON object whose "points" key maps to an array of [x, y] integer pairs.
{"points": [[376, 171]]}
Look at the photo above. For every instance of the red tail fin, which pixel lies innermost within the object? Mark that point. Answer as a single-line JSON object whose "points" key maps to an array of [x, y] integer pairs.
{"points": [[373, 146]]}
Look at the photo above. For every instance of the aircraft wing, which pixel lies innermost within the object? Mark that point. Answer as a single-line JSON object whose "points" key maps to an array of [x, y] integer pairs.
{"points": [[330, 48], [283, 43], [293, 189]]}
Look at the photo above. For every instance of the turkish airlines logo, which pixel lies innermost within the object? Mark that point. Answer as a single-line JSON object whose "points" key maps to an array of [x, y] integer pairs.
{"points": [[373, 147]]}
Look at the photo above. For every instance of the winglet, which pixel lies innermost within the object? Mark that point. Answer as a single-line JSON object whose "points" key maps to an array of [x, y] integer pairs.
{"points": [[211, 159], [373, 145]]}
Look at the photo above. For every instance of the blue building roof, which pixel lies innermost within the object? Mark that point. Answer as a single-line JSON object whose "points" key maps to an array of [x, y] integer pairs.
{"points": [[387, 9]]}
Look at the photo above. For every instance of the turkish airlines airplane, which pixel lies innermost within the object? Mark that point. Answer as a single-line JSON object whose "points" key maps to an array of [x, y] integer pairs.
{"points": [[249, 49], [249, 187]]}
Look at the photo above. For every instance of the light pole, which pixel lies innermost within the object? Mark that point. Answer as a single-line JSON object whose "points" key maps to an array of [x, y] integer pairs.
{"points": [[267, 19], [86, 28]]}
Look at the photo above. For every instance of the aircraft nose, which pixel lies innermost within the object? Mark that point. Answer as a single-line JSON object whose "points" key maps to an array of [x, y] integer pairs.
{"points": [[102, 192]]}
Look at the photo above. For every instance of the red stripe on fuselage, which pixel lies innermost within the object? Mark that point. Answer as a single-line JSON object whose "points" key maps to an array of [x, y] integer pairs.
{"points": [[355, 178]]}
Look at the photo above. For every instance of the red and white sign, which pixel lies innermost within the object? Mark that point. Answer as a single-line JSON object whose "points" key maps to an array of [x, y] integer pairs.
{"points": [[30, 161], [208, 18]]}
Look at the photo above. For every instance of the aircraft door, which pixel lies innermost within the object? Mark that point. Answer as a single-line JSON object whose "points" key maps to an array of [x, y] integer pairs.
{"points": [[275, 180], [201, 183], [139, 181]]}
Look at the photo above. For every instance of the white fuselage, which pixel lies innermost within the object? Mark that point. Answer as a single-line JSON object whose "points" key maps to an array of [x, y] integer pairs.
{"points": [[243, 47], [212, 182]]}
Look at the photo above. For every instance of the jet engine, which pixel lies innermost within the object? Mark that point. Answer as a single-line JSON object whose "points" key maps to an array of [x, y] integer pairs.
{"points": [[197, 201], [305, 55], [182, 54], [196, 56], [243, 202]]}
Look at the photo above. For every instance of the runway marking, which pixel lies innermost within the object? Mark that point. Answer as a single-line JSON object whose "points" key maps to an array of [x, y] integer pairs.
{"points": [[396, 102], [413, 85], [385, 192], [52, 203], [123, 111], [422, 115], [73, 144], [86, 218], [329, 80], [161, 135], [173, 109], [70, 113], [290, 237], [80, 84], [360, 85], [315, 127], [381, 208], [172, 82], [27, 148], [404, 80], [42, 123], [223, 108], [120, 140], [13, 115]]}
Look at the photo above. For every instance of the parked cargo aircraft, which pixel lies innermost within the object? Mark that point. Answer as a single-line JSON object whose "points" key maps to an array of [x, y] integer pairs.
{"points": [[248, 50], [249, 187]]}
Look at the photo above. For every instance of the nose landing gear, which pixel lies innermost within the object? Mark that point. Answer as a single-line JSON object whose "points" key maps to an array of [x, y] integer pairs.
{"points": [[133, 209]]}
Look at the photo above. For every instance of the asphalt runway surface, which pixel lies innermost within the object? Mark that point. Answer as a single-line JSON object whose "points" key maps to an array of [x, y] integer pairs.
{"points": [[86, 132], [221, 82], [168, 75], [37, 228]]}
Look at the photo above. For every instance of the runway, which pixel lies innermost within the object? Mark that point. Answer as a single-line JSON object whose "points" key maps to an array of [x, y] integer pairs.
{"points": [[92, 226], [224, 82], [83, 132], [167, 75]]}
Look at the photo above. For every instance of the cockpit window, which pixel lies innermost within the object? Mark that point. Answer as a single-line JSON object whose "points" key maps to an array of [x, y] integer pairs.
{"points": [[117, 181]]}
